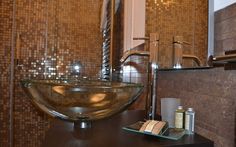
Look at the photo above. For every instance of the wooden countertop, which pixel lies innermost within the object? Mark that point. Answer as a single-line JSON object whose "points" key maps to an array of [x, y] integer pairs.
{"points": [[109, 133]]}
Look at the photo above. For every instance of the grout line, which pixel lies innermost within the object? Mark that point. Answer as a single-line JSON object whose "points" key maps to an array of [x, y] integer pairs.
{"points": [[12, 66]]}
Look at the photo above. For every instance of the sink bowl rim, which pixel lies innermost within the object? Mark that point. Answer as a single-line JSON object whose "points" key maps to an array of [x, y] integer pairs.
{"points": [[82, 83]]}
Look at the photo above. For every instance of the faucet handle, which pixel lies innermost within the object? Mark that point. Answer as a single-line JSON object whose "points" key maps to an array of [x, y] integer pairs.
{"points": [[141, 38], [153, 37], [184, 42], [180, 40], [154, 47]]}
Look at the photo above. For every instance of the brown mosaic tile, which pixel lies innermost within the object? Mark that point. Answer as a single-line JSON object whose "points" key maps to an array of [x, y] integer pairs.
{"points": [[52, 35], [171, 18], [5, 60]]}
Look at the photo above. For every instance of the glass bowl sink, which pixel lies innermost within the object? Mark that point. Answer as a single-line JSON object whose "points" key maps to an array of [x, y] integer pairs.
{"points": [[81, 100]]}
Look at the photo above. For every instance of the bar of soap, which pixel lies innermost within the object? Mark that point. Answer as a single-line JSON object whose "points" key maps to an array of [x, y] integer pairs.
{"points": [[158, 127], [144, 126], [152, 126]]}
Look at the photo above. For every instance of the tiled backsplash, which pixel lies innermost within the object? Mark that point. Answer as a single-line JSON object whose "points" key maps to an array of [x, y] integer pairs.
{"points": [[212, 94]]}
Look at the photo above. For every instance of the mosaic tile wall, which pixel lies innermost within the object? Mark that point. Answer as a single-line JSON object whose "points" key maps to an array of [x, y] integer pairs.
{"points": [[54, 34], [49, 35], [73, 34], [187, 18], [5, 57], [170, 18]]}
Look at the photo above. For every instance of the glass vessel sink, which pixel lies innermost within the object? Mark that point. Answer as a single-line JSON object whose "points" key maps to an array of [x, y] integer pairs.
{"points": [[81, 100]]}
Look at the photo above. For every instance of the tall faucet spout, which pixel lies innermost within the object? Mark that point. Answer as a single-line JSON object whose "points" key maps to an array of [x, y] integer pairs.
{"points": [[129, 53]]}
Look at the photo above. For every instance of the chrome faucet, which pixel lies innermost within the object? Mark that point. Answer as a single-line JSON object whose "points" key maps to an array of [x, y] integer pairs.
{"points": [[129, 53], [178, 42], [152, 71]]}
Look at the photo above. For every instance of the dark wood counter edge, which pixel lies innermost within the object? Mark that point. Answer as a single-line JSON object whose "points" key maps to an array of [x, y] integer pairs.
{"points": [[61, 134]]}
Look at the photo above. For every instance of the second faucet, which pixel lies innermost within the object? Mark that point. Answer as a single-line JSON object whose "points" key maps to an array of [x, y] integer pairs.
{"points": [[153, 55]]}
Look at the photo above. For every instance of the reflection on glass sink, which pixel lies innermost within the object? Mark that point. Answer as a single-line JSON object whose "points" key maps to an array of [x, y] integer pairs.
{"points": [[81, 100]]}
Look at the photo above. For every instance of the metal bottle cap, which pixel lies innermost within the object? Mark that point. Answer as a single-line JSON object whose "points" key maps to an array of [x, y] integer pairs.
{"points": [[180, 107], [190, 109]]}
